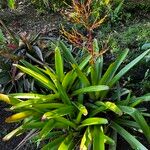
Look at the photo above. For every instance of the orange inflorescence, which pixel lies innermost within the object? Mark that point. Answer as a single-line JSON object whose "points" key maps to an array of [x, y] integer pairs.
{"points": [[81, 13]]}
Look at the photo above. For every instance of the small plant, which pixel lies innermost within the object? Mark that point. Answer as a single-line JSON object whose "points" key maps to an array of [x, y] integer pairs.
{"points": [[13, 48], [53, 5], [83, 108]]}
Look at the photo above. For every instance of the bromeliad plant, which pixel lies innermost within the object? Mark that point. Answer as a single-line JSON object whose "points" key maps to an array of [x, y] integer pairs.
{"points": [[83, 108], [13, 48]]}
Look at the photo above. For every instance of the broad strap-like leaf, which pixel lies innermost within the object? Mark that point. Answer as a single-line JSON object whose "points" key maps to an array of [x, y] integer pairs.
{"points": [[49, 106], [93, 121], [106, 106], [69, 77], [127, 68], [97, 67], [139, 119], [90, 89], [81, 108], [67, 53], [66, 122], [32, 67], [28, 96], [81, 76], [53, 145], [59, 112], [109, 74], [67, 144], [48, 98], [135, 144], [42, 79], [59, 86], [98, 138], [59, 64], [46, 129], [113, 107], [86, 139], [34, 125], [72, 75], [134, 101], [127, 123]]}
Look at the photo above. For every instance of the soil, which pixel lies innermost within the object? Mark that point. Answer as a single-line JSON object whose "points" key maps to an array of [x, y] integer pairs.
{"points": [[27, 18]]}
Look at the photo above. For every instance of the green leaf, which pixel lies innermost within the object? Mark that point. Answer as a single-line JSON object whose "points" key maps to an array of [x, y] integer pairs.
{"points": [[128, 123], [139, 119], [114, 137], [81, 108], [113, 107], [48, 98], [66, 122], [28, 96], [49, 106], [86, 139], [81, 76], [58, 112], [84, 62], [53, 144], [127, 68], [134, 101], [97, 110], [93, 121], [67, 53], [67, 143], [72, 75], [135, 144], [46, 129], [12, 4], [97, 67], [90, 89], [30, 66], [34, 125], [109, 140], [98, 139], [59, 64], [42, 79], [59, 86], [109, 74]]}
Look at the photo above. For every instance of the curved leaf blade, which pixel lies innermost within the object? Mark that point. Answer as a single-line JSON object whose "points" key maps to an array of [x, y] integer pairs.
{"points": [[91, 89]]}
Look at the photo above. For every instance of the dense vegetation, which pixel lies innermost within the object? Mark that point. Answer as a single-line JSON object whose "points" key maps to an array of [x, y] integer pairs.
{"points": [[87, 89]]}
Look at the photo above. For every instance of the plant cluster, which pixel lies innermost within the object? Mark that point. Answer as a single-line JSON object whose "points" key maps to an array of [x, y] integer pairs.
{"points": [[53, 5], [73, 103], [83, 106], [13, 48]]}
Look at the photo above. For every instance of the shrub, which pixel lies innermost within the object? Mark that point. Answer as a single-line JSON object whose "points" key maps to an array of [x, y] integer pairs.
{"points": [[83, 107]]}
